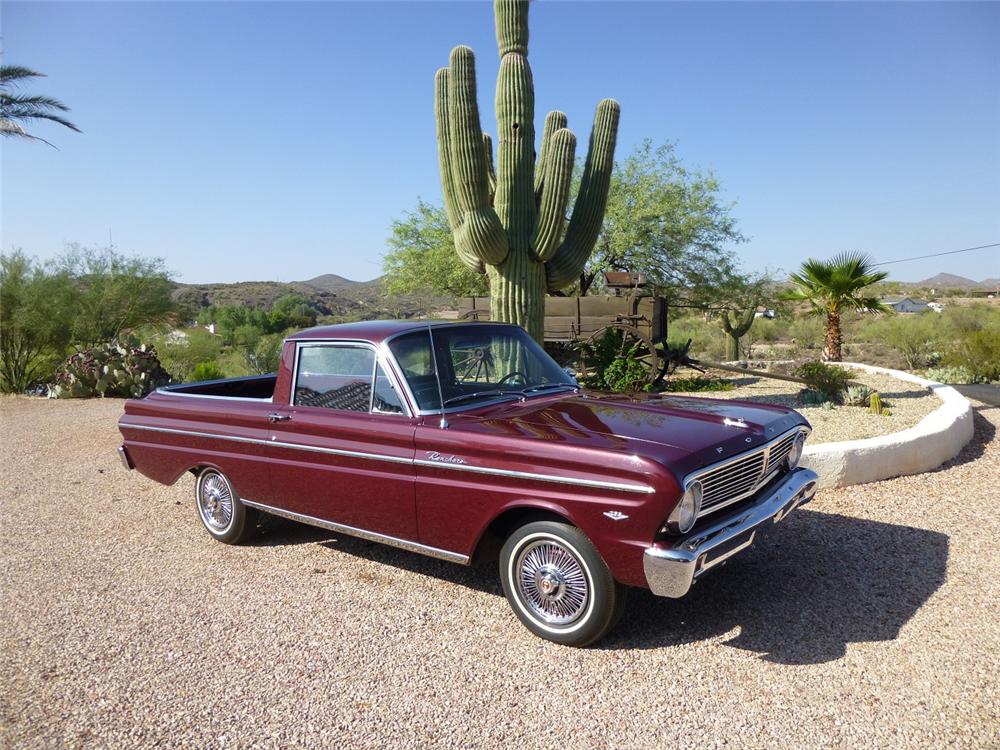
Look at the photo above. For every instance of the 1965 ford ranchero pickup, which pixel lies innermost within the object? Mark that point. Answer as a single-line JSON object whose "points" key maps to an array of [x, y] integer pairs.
{"points": [[485, 450]]}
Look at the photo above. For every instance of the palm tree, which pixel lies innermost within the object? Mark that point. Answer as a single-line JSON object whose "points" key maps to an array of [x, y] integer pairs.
{"points": [[831, 287], [16, 109]]}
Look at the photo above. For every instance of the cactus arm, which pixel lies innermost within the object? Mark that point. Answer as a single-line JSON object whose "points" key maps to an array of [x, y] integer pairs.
{"points": [[588, 212], [442, 124], [515, 197], [558, 176], [480, 233], [491, 172], [511, 18], [554, 121], [444, 144]]}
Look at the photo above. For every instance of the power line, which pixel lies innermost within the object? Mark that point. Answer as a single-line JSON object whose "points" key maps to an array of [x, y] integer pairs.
{"points": [[937, 255]]}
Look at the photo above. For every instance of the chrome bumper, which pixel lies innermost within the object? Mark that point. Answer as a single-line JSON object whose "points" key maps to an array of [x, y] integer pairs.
{"points": [[123, 455], [671, 570]]}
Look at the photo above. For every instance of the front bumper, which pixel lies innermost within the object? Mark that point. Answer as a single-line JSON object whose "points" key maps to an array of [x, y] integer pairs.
{"points": [[125, 458], [671, 570]]}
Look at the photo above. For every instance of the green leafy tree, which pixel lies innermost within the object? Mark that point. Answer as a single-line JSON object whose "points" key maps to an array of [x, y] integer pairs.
{"points": [[667, 222], [114, 293], [18, 110], [422, 259], [36, 314], [265, 355], [831, 287], [291, 311]]}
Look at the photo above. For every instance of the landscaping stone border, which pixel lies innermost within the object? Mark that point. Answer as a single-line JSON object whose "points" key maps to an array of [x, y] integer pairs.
{"points": [[937, 438]]}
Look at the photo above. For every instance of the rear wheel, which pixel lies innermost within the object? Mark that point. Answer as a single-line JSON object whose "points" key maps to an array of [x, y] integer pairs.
{"points": [[558, 584], [221, 512]]}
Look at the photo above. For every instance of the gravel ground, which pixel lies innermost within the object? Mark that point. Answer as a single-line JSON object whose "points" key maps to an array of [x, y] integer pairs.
{"points": [[908, 402], [871, 619]]}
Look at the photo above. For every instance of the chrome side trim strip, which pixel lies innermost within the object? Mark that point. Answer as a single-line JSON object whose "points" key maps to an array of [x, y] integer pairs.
{"points": [[371, 536], [594, 483], [642, 488], [276, 443], [191, 433]]}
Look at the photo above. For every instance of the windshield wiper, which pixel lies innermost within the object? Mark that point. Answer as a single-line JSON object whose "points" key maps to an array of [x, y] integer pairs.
{"points": [[546, 386], [481, 394]]}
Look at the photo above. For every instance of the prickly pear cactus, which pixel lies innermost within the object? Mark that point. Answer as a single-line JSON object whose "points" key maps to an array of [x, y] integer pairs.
{"points": [[508, 221], [124, 368]]}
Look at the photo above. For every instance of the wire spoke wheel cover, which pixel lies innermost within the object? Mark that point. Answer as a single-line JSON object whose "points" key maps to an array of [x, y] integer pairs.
{"points": [[215, 501], [551, 582]]}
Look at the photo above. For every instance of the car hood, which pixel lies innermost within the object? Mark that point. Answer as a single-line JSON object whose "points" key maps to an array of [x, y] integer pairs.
{"points": [[689, 430]]}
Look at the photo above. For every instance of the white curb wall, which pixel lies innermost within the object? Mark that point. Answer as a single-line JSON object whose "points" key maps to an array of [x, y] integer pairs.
{"points": [[938, 437]]}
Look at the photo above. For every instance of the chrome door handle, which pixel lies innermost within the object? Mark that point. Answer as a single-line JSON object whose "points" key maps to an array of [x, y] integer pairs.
{"points": [[276, 417]]}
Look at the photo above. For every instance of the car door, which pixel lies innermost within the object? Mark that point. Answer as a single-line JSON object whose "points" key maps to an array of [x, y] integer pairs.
{"points": [[342, 449]]}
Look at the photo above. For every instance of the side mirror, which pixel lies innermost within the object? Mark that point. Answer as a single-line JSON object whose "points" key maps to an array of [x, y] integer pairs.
{"points": [[572, 374]]}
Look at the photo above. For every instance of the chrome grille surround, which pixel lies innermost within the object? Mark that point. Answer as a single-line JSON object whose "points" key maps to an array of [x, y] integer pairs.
{"points": [[738, 477]]}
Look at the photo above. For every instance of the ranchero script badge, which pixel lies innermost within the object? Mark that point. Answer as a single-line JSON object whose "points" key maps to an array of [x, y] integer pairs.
{"points": [[435, 456]]}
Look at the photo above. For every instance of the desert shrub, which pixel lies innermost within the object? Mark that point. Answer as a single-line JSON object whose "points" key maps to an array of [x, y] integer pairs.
{"points": [[265, 355], [948, 375], [977, 352], [181, 354], [124, 368], [625, 374], [828, 380], [610, 370], [207, 371], [708, 341], [806, 331], [858, 395], [915, 337], [691, 385]]}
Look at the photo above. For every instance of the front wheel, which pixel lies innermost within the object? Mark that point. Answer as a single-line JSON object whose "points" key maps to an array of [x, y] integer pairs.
{"points": [[558, 584], [220, 510]]}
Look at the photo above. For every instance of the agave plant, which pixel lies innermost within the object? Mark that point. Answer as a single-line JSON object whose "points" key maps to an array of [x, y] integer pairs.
{"points": [[17, 109], [831, 287]]}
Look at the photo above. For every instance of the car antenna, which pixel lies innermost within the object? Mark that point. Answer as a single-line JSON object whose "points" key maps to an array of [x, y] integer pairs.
{"points": [[443, 424]]}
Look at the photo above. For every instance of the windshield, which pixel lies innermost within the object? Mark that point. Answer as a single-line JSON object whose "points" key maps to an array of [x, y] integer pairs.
{"points": [[478, 363]]}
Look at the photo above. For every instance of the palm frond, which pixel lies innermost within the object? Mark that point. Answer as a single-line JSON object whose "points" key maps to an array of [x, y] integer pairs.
{"points": [[15, 73], [37, 100], [870, 305]]}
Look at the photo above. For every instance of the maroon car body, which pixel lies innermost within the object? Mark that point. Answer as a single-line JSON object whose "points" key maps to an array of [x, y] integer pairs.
{"points": [[453, 484]]}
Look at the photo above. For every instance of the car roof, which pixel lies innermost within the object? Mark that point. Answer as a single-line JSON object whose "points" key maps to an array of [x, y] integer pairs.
{"points": [[375, 331]]}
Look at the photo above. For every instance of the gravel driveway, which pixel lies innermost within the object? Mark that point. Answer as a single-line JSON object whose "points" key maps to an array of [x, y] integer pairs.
{"points": [[872, 619]]}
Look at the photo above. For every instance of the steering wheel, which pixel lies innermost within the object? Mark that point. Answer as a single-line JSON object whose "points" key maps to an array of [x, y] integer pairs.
{"points": [[511, 375]]}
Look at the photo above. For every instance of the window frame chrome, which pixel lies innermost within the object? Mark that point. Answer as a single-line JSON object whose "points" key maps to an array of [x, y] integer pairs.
{"points": [[454, 409], [379, 358]]}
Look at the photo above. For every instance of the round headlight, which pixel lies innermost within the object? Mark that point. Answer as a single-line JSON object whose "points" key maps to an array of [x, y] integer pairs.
{"points": [[795, 454], [686, 512]]}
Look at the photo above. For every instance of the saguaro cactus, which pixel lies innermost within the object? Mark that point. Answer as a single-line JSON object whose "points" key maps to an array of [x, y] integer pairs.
{"points": [[736, 327], [508, 222]]}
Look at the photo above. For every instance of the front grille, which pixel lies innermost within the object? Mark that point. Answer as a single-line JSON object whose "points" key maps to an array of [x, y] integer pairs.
{"points": [[742, 476], [779, 451], [731, 480]]}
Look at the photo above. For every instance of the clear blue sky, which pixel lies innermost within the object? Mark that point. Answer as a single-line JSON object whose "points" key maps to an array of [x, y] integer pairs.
{"points": [[246, 140]]}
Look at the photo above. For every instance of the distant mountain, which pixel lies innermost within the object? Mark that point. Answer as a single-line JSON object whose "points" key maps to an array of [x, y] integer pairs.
{"points": [[331, 282], [333, 296], [948, 281], [990, 283]]}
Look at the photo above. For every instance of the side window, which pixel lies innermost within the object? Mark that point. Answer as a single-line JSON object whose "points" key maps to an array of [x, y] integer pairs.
{"points": [[335, 377], [386, 399]]}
